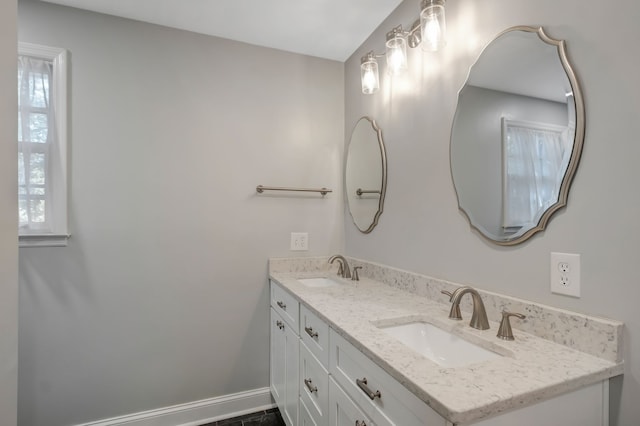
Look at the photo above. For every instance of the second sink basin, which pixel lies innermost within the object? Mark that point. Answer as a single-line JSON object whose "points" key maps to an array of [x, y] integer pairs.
{"points": [[318, 282], [442, 347]]}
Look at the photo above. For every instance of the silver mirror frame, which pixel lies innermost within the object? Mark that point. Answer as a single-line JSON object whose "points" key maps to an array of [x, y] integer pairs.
{"points": [[383, 186], [577, 143]]}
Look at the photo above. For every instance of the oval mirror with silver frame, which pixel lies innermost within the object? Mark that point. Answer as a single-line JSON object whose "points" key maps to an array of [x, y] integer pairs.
{"points": [[366, 174], [517, 135]]}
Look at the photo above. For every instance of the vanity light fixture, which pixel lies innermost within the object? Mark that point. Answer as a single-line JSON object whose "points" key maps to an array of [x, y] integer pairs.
{"points": [[369, 74], [396, 51], [429, 30], [433, 24]]}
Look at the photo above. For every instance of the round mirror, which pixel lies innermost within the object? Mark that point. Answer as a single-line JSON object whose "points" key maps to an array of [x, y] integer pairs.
{"points": [[366, 174], [517, 135]]}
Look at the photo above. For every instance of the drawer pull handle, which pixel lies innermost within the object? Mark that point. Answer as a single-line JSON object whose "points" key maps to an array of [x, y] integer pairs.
{"points": [[280, 325], [362, 384], [310, 332], [282, 305], [360, 423], [310, 386]]}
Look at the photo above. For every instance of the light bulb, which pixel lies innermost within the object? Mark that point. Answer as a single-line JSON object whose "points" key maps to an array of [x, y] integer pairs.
{"points": [[396, 51], [369, 74], [434, 26]]}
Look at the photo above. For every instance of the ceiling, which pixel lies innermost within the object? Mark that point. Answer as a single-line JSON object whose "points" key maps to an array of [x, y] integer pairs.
{"points": [[331, 29]]}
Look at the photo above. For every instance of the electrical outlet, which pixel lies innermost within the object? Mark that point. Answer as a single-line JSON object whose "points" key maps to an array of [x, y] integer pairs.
{"points": [[565, 274], [299, 241]]}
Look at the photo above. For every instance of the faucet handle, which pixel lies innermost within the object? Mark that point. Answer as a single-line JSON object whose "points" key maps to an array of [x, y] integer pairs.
{"points": [[504, 331], [454, 313], [354, 274], [448, 293], [340, 268]]}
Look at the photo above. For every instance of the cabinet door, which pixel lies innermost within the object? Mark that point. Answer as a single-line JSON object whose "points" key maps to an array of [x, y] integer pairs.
{"points": [[278, 376], [284, 368], [342, 410]]}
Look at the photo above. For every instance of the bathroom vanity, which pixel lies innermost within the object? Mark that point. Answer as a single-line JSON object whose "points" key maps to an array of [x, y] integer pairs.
{"points": [[337, 357]]}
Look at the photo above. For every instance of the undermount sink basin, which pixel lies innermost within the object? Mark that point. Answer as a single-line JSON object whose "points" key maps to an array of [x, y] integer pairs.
{"points": [[318, 282], [441, 347]]}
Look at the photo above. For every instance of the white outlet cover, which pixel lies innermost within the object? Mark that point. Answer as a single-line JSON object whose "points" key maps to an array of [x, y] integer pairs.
{"points": [[565, 274]]}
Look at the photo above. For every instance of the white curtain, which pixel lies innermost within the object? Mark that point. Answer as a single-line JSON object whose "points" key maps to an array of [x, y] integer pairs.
{"points": [[36, 136], [536, 159]]}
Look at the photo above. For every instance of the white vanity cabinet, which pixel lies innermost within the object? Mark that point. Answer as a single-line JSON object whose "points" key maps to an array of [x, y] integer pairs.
{"points": [[319, 378], [284, 354]]}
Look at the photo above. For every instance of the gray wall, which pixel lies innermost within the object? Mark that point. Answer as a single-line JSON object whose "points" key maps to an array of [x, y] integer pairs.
{"points": [[161, 296], [8, 216], [421, 229]]}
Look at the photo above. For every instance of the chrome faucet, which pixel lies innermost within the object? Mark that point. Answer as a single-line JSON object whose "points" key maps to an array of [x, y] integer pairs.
{"points": [[479, 317], [343, 268]]}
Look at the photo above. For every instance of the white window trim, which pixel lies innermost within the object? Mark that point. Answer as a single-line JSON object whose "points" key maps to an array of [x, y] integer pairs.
{"points": [[60, 59]]}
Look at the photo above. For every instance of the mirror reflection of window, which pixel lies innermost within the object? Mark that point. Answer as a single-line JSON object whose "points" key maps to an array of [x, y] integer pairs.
{"points": [[535, 157]]}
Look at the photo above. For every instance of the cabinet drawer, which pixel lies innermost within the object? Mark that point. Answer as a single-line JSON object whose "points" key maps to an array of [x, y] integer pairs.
{"points": [[379, 395], [305, 418], [314, 386], [315, 334], [342, 410], [286, 305]]}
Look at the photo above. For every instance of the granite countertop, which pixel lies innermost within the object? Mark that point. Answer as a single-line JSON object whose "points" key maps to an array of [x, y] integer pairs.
{"points": [[531, 369]]}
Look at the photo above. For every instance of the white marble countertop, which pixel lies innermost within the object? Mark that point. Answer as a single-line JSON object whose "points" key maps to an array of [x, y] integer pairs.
{"points": [[531, 369]]}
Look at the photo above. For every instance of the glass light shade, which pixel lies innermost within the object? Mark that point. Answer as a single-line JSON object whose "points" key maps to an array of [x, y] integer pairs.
{"points": [[396, 54], [369, 74], [434, 25]]}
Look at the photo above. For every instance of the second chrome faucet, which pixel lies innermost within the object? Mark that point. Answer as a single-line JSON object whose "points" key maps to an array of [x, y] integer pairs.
{"points": [[343, 268], [479, 317]]}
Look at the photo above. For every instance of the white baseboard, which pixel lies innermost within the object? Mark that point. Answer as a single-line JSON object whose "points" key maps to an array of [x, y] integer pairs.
{"points": [[196, 413]]}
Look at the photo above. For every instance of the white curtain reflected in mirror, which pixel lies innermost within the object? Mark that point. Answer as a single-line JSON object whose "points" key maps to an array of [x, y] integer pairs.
{"points": [[366, 174], [535, 158]]}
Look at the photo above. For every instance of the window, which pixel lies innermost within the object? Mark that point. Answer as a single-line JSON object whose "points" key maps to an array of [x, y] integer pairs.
{"points": [[535, 159], [42, 145]]}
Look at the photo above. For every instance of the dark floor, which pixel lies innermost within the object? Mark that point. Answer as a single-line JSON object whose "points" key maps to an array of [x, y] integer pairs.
{"points": [[262, 418]]}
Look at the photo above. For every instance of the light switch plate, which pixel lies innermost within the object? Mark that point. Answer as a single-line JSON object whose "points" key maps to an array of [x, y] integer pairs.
{"points": [[299, 241]]}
